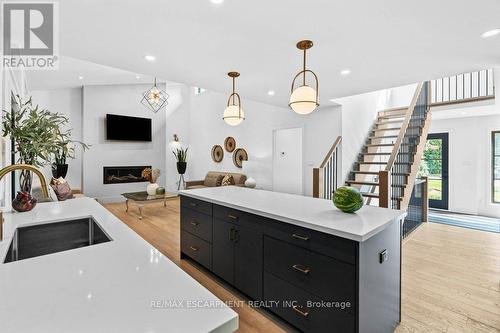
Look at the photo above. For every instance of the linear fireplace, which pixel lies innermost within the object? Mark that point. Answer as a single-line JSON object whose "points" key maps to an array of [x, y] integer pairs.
{"points": [[123, 174]]}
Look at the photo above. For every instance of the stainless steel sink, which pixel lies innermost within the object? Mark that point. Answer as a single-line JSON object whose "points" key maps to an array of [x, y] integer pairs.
{"points": [[42, 239]]}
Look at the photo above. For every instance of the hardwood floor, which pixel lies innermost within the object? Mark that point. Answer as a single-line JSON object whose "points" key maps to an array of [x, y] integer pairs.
{"points": [[451, 275]]}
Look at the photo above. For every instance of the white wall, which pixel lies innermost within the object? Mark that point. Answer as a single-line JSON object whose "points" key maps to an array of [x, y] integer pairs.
{"points": [[470, 163], [69, 103], [358, 114], [123, 100], [255, 134]]}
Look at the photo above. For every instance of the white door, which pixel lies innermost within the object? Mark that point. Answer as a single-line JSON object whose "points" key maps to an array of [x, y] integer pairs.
{"points": [[287, 161]]}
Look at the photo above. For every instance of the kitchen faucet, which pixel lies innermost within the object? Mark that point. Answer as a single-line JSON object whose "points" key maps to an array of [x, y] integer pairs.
{"points": [[27, 167]]}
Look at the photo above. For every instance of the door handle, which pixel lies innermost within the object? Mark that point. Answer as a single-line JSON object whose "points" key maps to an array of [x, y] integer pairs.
{"points": [[301, 269], [195, 223], [304, 238], [192, 204], [299, 311], [232, 217], [194, 248]]}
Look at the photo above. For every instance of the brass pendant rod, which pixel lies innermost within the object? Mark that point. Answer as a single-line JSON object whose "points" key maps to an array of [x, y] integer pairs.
{"points": [[304, 77]]}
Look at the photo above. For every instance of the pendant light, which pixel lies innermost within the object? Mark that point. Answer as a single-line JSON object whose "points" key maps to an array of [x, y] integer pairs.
{"points": [[233, 114], [304, 99], [154, 99]]}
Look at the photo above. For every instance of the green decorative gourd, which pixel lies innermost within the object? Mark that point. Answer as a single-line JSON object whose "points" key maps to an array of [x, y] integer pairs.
{"points": [[347, 199]]}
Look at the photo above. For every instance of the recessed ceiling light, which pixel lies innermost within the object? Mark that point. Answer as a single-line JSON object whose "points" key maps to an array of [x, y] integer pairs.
{"points": [[271, 93], [345, 72], [150, 58], [137, 77], [463, 113], [80, 77], [217, 2], [490, 33]]}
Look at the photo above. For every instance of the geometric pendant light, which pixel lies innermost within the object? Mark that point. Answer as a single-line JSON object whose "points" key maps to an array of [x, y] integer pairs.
{"points": [[154, 98], [304, 99], [233, 114]]}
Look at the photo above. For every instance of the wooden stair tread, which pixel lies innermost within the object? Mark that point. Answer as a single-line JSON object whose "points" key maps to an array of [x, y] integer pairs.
{"points": [[365, 172], [355, 182], [388, 122], [383, 163], [382, 137], [373, 154], [392, 116], [357, 172], [376, 195], [384, 144]]}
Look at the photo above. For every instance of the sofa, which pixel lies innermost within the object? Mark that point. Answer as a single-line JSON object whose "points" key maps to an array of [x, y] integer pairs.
{"points": [[213, 177]]}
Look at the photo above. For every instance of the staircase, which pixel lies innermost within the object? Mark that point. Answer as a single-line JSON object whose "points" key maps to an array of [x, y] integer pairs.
{"points": [[387, 165]]}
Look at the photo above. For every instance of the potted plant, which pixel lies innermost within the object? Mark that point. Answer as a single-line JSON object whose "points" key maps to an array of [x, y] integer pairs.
{"points": [[181, 156], [34, 133], [65, 150]]}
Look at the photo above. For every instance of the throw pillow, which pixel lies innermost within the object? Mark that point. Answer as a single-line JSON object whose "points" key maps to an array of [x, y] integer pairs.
{"points": [[219, 180], [61, 188], [227, 180]]}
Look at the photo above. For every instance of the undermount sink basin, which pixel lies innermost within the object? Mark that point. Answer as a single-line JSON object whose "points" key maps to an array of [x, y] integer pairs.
{"points": [[42, 239]]}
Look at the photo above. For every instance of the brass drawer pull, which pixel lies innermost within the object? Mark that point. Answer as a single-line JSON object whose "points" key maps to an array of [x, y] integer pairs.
{"points": [[195, 223], [304, 238], [194, 248], [232, 217], [303, 313], [301, 269]]}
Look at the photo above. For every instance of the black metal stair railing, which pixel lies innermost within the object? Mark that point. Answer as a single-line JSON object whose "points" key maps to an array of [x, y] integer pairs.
{"points": [[326, 178], [406, 153]]}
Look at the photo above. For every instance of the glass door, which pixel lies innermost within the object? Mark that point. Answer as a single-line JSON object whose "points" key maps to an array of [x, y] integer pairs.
{"points": [[435, 166]]}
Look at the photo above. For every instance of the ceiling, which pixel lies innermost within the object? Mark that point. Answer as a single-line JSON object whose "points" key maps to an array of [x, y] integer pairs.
{"points": [[384, 43], [74, 73]]}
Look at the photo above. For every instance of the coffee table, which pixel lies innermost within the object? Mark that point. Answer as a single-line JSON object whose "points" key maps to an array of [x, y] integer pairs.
{"points": [[142, 198]]}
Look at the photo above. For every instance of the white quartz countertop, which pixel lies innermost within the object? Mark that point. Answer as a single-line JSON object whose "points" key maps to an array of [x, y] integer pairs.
{"points": [[124, 285], [317, 214]]}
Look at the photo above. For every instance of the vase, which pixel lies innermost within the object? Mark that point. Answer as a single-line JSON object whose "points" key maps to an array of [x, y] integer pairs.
{"points": [[250, 182], [151, 188], [59, 170], [181, 167], [23, 202]]}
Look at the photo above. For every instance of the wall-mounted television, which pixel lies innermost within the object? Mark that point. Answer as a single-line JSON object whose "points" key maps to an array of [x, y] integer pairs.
{"points": [[127, 128]]}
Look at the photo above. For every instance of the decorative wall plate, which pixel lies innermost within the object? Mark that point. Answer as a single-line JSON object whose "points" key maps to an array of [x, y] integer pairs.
{"points": [[230, 144], [239, 155], [217, 153]]}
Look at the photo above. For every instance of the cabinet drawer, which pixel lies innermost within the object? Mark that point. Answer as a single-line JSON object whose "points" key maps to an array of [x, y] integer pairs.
{"points": [[332, 246], [197, 249], [317, 274], [197, 223], [238, 217], [291, 303], [198, 205]]}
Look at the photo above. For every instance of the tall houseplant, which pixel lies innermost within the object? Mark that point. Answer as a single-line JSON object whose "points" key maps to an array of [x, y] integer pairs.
{"points": [[36, 133], [181, 156]]}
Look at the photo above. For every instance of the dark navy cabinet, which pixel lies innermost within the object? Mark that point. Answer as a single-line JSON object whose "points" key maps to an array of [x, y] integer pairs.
{"points": [[310, 279]]}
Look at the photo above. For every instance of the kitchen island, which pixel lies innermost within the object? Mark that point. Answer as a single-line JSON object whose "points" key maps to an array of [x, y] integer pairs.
{"points": [[120, 285], [317, 268]]}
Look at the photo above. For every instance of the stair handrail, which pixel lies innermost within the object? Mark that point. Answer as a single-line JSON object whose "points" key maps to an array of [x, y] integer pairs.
{"points": [[404, 127], [336, 143], [321, 176]]}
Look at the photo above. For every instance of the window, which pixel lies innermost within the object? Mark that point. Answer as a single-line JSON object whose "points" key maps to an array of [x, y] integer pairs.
{"points": [[495, 182]]}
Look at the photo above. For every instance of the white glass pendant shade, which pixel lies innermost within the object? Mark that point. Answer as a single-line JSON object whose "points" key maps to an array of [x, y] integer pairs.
{"points": [[303, 100], [233, 115]]}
